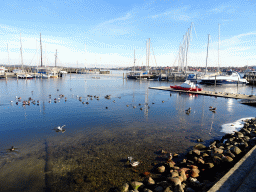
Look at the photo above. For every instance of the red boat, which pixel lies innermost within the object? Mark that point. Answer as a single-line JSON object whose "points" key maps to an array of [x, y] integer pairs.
{"points": [[187, 86]]}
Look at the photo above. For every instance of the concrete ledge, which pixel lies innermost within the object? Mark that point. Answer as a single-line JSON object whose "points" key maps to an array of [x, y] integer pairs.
{"points": [[238, 178]]}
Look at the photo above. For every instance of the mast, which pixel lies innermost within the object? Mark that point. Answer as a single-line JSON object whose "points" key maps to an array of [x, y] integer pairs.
{"points": [[207, 53], [41, 51], [148, 52], [8, 55], [134, 62], [21, 53], [56, 58], [219, 51]]}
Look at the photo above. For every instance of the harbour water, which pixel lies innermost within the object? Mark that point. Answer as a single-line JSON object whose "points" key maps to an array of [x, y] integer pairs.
{"points": [[91, 154]]}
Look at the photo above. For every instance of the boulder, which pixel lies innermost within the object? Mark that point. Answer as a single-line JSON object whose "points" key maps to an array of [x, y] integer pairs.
{"points": [[200, 146], [161, 169], [235, 150], [125, 187], [135, 184]]}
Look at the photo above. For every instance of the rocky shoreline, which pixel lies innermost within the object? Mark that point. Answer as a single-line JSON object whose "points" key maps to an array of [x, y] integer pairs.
{"points": [[202, 167]]}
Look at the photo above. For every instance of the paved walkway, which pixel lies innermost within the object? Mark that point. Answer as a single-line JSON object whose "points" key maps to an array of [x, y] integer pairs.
{"points": [[241, 177]]}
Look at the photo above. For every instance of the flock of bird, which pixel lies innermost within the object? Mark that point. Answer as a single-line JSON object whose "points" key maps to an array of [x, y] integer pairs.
{"points": [[212, 109]]}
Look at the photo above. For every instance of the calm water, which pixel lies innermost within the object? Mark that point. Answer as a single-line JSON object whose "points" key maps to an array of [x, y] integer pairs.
{"points": [[91, 154]]}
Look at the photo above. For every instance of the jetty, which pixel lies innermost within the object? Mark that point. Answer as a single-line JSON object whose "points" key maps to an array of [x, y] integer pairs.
{"points": [[210, 93]]}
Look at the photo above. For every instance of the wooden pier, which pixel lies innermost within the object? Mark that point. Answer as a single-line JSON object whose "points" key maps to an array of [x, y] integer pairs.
{"points": [[210, 93]]}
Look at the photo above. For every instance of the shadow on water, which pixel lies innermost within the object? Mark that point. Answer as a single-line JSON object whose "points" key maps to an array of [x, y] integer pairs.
{"points": [[47, 169]]}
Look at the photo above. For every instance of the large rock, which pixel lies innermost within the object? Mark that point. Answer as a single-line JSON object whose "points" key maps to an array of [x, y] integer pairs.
{"points": [[239, 134], [195, 172], [200, 146], [125, 187], [135, 184], [159, 189], [235, 150], [175, 181], [149, 181], [161, 169]]}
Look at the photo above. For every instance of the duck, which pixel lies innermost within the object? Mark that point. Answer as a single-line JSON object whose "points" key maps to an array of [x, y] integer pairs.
{"points": [[162, 101], [12, 149], [134, 107], [87, 103], [213, 109], [106, 107], [188, 110], [127, 105], [141, 108]]}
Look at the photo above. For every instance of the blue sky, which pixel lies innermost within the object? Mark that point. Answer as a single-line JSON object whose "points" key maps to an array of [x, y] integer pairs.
{"points": [[90, 33]]}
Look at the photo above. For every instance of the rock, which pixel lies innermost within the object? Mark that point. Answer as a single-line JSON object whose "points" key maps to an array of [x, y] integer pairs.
{"points": [[178, 188], [161, 169], [183, 174], [125, 187], [196, 152], [174, 174], [170, 164], [168, 189], [159, 189], [150, 181], [175, 181], [217, 150], [253, 134], [135, 184], [227, 159], [239, 134], [217, 160], [147, 190], [195, 172], [209, 165], [188, 189], [236, 150], [200, 146]]}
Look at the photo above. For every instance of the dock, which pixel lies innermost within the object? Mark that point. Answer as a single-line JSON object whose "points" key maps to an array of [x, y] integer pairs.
{"points": [[210, 93]]}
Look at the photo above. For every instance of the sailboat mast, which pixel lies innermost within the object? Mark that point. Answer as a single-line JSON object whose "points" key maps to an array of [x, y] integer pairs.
{"points": [[207, 53], [8, 55], [219, 51], [41, 51], [56, 58], [134, 62], [148, 52], [21, 53]]}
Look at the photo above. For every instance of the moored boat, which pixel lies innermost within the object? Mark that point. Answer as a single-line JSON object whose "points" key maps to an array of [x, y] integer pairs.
{"points": [[25, 76], [187, 86], [231, 77]]}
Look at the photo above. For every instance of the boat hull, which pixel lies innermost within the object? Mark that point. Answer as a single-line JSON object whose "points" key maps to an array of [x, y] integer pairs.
{"points": [[186, 89], [221, 82]]}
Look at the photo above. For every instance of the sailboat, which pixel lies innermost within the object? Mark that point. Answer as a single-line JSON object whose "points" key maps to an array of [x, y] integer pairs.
{"points": [[228, 78], [145, 74]]}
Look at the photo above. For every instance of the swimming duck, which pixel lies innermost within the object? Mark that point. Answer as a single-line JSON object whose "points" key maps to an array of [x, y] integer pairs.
{"points": [[188, 110], [162, 101], [12, 149]]}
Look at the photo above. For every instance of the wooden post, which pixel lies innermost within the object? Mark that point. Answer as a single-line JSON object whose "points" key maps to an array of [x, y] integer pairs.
{"points": [[215, 81], [123, 75], [196, 78]]}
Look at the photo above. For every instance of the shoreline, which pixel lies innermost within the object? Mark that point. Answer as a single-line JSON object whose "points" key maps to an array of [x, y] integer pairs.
{"points": [[203, 166]]}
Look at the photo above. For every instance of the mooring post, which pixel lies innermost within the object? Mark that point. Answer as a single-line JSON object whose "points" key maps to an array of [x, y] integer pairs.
{"points": [[215, 81]]}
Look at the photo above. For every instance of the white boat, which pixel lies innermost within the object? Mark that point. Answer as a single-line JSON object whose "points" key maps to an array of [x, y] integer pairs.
{"points": [[25, 76], [187, 86], [231, 77], [2, 70]]}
